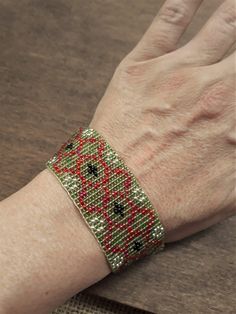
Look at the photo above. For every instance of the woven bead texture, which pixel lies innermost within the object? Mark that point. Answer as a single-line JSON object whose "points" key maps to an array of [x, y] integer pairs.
{"points": [[109, 197]]}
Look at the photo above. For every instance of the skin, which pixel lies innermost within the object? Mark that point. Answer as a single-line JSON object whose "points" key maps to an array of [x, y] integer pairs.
{"points": [[170, 114]]}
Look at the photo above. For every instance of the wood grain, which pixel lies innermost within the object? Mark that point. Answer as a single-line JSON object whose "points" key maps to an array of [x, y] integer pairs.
{"points": [[56, 59]]}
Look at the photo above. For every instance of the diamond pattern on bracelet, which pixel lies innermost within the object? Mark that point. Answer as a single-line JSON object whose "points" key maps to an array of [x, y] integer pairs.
{"points": [[109, 197]]}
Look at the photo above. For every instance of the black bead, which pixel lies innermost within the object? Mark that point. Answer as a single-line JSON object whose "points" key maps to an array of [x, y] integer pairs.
{"points": [[137, 246], [92, 169], [119, 209], [69, 146]]}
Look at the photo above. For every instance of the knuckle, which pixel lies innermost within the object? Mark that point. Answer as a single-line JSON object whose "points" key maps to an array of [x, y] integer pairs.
{"points": [[213, 101], [174, 13], [176, 79], [133, 71], [229, 15]]}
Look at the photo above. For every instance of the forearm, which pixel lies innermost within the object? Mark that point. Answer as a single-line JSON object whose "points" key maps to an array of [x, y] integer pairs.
{"points": [[47, 251]]}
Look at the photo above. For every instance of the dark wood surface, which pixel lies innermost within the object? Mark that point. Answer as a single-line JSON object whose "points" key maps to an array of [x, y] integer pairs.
{"points": [[56, 58]]}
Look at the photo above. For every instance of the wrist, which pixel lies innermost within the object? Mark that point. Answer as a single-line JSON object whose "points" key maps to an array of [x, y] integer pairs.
{"points": [[72, 227], [50, 251]]}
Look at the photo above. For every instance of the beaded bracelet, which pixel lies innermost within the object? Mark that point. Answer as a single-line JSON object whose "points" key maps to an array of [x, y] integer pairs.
{"points": [[109, 197]]}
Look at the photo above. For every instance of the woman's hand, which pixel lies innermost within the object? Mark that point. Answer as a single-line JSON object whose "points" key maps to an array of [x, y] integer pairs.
{"points": [[170, 113]]}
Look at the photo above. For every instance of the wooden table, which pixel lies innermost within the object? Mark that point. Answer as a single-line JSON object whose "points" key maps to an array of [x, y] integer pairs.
{"points": [[56, 58]]}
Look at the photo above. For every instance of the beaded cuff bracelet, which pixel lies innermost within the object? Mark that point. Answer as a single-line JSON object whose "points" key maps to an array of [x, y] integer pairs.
{"points": [[109, 197]]}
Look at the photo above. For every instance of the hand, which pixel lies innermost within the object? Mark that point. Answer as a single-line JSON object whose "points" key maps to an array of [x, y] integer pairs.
{"points": [[170, 114]]}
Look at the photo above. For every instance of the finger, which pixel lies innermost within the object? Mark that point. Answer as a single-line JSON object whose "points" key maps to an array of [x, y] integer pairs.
{"points": [[166, 29], [215, 38]]}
